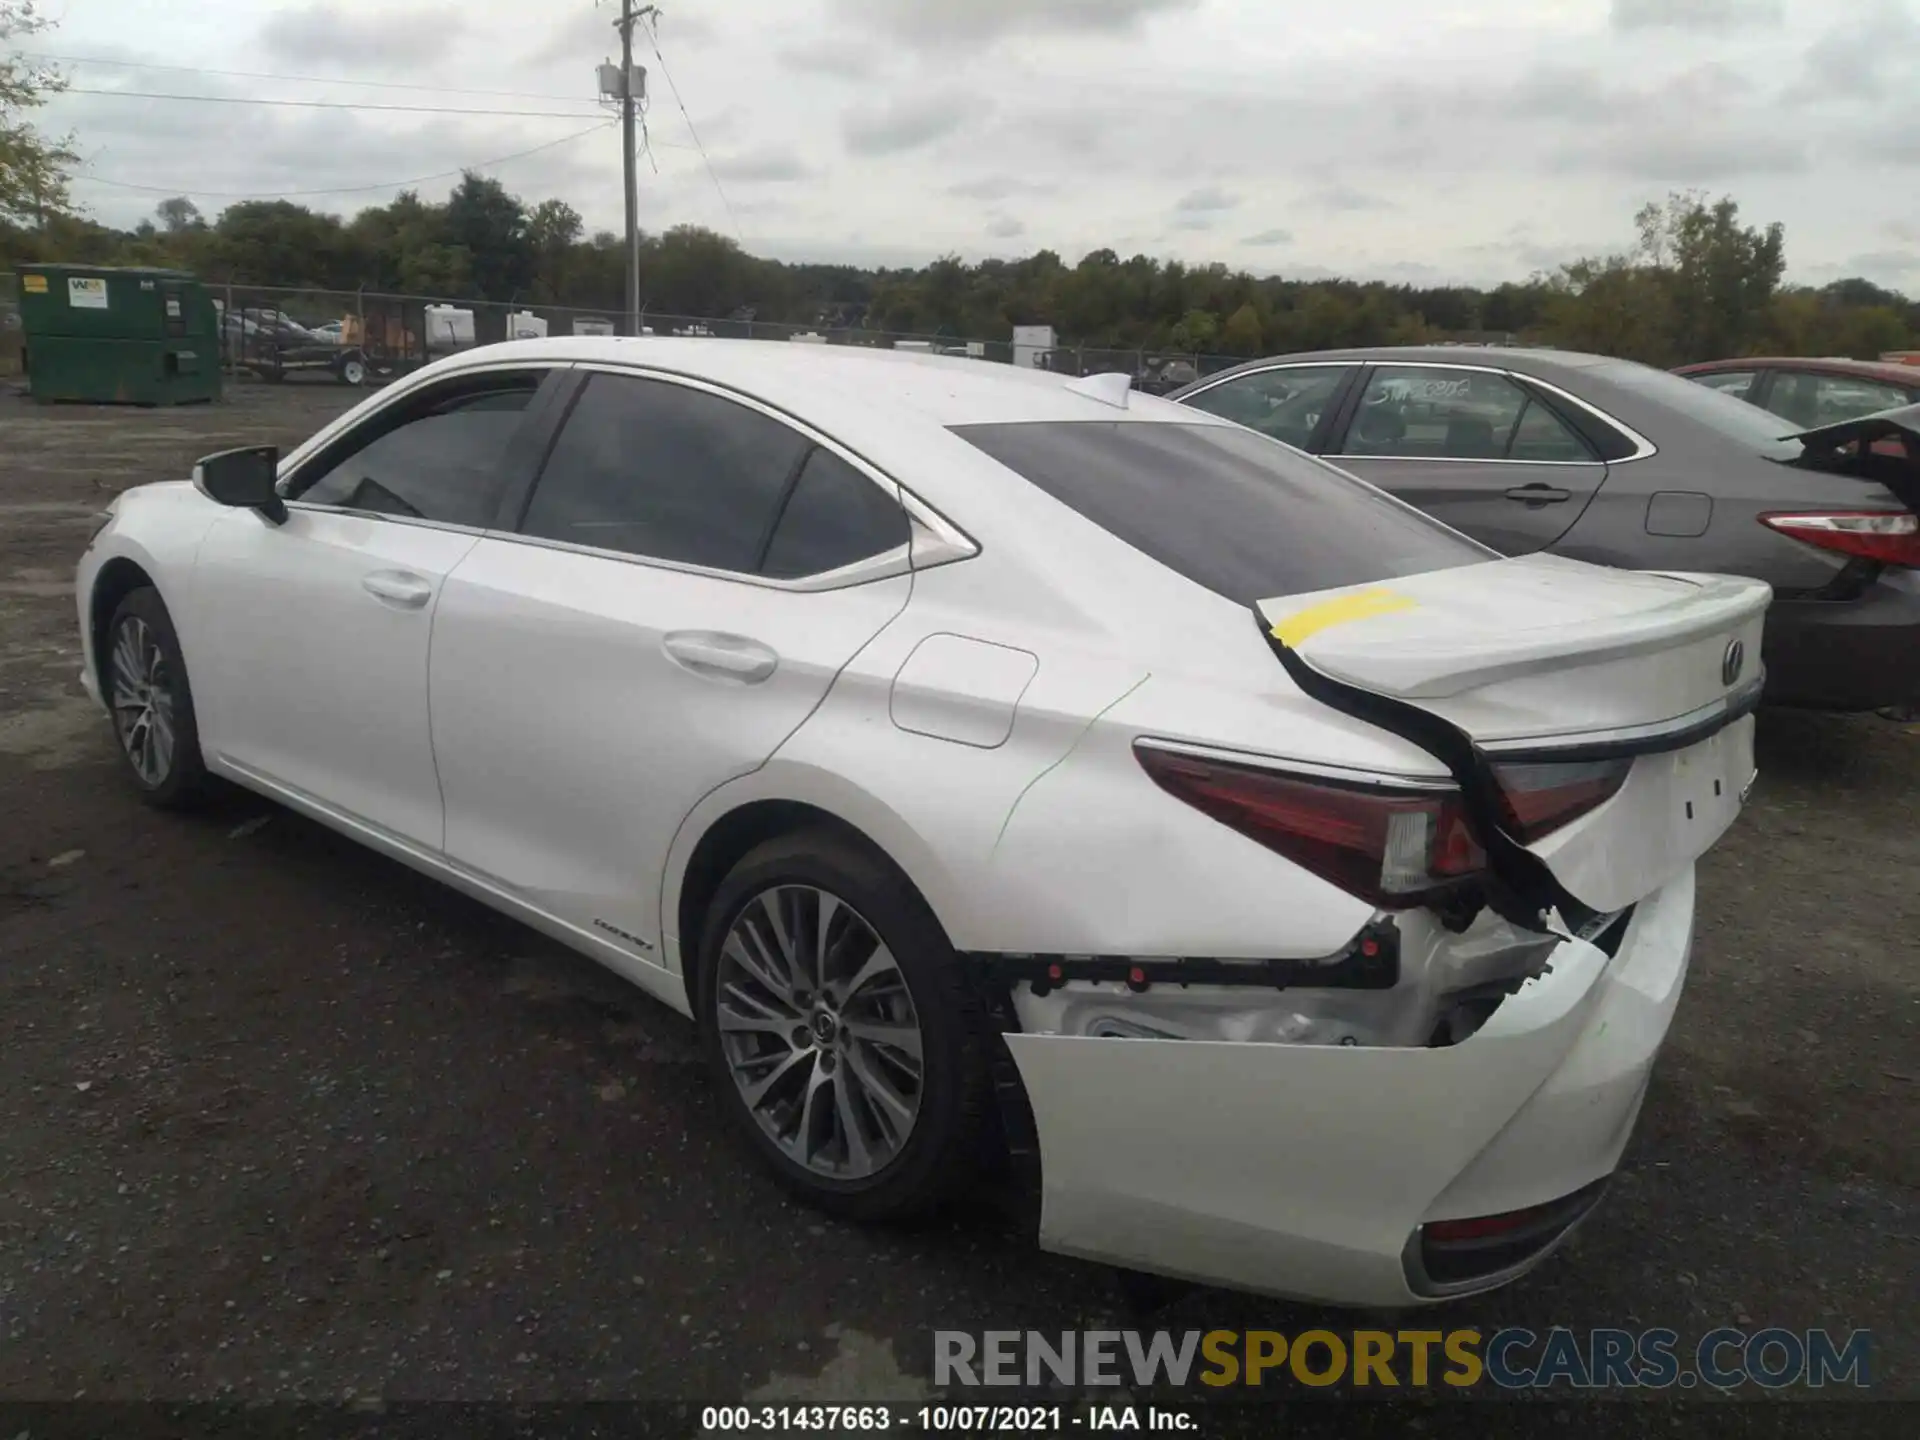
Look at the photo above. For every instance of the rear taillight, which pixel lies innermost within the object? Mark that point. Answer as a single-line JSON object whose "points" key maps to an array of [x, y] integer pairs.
{"points": [[1891, 537], [1394, 848], [1483, 1227], [1536, 800]]}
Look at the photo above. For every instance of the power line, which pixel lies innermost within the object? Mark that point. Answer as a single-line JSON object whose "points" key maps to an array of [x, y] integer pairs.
{"points": [[342, 189], [329, 104], [653, 38], [297, 79]]}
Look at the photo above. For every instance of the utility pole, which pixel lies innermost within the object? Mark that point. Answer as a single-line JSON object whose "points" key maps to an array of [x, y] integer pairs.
{"points": [[629, 89]]}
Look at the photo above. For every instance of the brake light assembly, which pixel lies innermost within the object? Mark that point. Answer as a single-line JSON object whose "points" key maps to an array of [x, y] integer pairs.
{"points": [[1395, 846], [1887, 537]]}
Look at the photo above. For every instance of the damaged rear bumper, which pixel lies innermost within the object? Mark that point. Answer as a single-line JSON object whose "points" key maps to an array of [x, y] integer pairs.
{"points": [[1310, 1170]]}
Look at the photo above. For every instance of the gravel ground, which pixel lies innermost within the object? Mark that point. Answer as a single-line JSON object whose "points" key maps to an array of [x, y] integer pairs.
{"points": [[283, 1119]]}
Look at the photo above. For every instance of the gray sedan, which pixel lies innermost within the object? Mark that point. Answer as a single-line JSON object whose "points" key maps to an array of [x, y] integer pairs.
{"points": [[1610, 461]]}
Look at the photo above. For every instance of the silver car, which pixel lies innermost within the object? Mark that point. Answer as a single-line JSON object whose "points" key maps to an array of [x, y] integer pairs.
{"points": [[1614, 462]]}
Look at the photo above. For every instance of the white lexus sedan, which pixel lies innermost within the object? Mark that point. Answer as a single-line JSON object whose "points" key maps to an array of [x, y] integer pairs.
{"points": [[1006, 772]]}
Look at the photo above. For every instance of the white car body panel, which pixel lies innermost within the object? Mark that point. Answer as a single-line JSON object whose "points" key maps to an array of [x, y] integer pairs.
{"points": [[343, 713], [953, 687], [1543, 651], [555, 731], [1675, 805], [553, 670], [1312, 1164], [1490, 651]]}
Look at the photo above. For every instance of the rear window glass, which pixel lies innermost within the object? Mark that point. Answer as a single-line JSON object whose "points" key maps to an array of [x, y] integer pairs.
{"points": [[1735, 419], [1234, 511]]}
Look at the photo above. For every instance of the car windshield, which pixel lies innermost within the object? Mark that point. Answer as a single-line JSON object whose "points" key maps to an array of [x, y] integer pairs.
{"points": [[1243, 515], [1736, 419]]}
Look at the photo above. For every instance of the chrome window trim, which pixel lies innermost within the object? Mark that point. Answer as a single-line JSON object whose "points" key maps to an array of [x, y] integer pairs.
{"points": [[932, 538], [418, 522], [394, 394], [1642, 447], [887, 565], [1282, 765], [1469, 460]]}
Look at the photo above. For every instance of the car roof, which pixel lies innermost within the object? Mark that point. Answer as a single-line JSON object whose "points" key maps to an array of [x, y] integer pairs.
{"points": [[1906, 375], [1526, 359], [811, 379]]}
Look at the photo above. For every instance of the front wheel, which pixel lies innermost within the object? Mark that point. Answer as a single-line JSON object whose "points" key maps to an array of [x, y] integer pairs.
{"points": [[849, 1049], [151, 702]]}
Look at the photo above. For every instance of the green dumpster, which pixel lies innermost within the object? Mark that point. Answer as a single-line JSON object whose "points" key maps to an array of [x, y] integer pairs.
{"points": [[118, 336]]}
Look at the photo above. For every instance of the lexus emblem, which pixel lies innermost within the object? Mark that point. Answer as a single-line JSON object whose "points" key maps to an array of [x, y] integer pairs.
{"points": [[1733, 662]]}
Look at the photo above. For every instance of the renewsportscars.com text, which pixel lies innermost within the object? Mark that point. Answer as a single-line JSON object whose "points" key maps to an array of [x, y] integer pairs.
{"points": [[1512, 1358]]}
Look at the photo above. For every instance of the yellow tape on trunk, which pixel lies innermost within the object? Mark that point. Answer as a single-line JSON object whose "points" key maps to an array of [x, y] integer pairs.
{"points": [[1363, 605]]}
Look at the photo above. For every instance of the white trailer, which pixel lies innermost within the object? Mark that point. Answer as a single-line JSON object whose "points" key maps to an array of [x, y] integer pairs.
{"points": [[1030, 343]]}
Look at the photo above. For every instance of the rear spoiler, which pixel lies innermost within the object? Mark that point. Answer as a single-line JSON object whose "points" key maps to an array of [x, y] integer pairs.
{"points": [[1854, 447]]}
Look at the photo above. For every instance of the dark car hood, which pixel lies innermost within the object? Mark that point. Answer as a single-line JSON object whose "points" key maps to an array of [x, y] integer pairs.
{"points": [[1857, 447]]}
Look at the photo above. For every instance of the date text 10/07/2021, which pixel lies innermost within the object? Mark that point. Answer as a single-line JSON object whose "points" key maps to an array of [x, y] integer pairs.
{"points": [[941, 1419]]}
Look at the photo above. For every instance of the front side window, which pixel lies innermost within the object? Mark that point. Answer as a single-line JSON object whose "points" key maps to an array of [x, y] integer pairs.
{"points": [[1229, 510], [665, 472], [435, 457], [1412, 412], [1285, 403]]}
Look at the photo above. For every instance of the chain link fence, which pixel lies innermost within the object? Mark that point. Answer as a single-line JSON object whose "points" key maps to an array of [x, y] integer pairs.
{"points": [[276, 334], [11, 341], [366, 336]]}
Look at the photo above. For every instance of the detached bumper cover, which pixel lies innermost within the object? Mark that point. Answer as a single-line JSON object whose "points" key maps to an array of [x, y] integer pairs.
{"points": [[1307, 1170]]}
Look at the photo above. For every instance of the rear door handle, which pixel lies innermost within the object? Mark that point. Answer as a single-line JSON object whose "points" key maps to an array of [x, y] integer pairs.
{"points": [[397, 587], [718, 656], [1538, 494]]}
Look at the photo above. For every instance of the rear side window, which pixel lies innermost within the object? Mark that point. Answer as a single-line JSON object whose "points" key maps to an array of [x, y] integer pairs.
{"points": [[666, 472], [1540, 436], [1286, 402], [1240, 514], [1415, 412], [834, 517]]}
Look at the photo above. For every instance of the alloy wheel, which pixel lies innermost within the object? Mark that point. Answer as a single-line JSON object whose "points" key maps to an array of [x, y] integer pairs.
{"points": [[142, 700], [819, 1032]]}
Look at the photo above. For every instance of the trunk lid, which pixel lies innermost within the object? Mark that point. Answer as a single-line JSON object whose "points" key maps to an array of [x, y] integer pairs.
{"points": [[1543, 661], [1535, 648], [1884, 446]]}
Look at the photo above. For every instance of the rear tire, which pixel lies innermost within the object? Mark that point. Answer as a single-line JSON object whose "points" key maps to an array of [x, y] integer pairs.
{"points": [[143, 679], [814, 1047]]}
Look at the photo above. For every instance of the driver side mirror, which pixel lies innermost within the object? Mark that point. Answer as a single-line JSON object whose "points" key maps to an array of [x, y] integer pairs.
{"points": [[243, 479]]}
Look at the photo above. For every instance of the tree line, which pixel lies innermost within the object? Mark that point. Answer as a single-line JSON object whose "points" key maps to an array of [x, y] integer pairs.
{"points": [[1697, 283]]}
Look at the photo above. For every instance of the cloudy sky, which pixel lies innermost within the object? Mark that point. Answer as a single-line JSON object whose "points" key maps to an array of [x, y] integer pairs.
{"points": [[1421, 140]]}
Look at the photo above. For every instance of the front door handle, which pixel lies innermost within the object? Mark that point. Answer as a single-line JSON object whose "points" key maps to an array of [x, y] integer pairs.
{"points": [[397, 587], [718, 656], [1538, 494]]}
